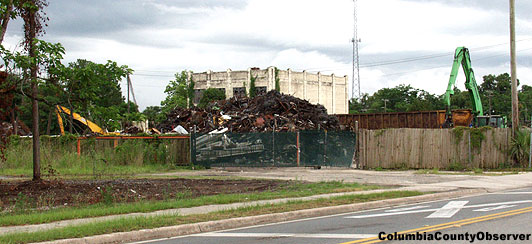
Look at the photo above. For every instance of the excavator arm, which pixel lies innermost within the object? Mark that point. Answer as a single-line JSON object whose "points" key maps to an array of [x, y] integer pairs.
{"points": [[92, 126], [461, 57]]}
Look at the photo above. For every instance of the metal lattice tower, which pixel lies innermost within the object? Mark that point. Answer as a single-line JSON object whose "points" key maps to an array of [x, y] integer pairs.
{"points": [[355, 86]]}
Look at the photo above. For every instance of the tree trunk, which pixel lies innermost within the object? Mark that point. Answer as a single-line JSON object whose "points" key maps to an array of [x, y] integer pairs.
{"points": [[49, 121], [5, 20], [14, 122], [34, 103], [71, 118]]}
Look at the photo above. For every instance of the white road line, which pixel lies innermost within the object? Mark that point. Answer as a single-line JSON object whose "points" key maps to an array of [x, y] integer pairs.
{"points": [[449, 210], [513, 193], [435, 209], [494, 208], [406, 209], [296, 235]]}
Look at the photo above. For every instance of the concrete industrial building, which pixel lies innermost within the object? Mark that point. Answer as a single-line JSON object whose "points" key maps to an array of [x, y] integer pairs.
{"points": [[327, 90]]}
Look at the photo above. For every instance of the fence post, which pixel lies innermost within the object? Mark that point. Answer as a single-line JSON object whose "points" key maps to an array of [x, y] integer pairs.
{"points": [[115, 143], [325, 149], [530, 151], [273, 142], [79, 147], [193, 147], [190, 146], [469, 147], [298, 149], [356, 154], [156, 150]]}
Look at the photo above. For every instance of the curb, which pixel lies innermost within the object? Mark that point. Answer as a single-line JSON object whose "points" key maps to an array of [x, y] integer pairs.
{"points": [[217, 225]]}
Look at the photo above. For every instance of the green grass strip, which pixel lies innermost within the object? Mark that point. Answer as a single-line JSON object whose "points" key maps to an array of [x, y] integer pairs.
{"points": [[296, 189], [137, 223]]}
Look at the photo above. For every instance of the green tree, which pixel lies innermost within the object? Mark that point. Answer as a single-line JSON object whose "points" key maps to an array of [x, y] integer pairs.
{"points": [[179, 93], [461, 99], [154, 114], [402, 98], [496, 94], [357, 106], [8, 11], [525, 103], [93, 90], [209, 95], [37, 54]]}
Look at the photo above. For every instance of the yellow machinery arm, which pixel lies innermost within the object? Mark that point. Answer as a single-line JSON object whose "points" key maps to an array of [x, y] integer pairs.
{"points": [[92, 126]]}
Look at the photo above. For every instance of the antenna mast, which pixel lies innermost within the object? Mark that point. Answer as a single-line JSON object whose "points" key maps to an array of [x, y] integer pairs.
{"points": [[355, 88]]}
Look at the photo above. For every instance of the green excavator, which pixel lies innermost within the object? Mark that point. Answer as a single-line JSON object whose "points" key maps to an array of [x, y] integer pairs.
{"points": [[461, 57]]}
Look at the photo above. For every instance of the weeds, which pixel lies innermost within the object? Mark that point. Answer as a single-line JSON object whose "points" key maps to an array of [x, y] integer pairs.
{"points": [[46, 201], [456, 166], [519, 147], [99, 158], [106, 195], [22, 203]]}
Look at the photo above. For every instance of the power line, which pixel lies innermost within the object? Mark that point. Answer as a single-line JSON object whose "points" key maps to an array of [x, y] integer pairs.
{"points": [[443, 66], [412, 59]]}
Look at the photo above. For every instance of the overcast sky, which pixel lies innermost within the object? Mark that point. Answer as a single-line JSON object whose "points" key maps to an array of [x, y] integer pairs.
{"points": [[418, 38]]}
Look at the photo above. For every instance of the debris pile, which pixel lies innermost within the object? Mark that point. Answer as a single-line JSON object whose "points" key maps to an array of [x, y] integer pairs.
{"points": [[270, 112], [132, 130]]}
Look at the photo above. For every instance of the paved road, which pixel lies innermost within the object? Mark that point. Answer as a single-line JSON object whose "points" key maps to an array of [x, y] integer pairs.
{"points": [[496, 213]]}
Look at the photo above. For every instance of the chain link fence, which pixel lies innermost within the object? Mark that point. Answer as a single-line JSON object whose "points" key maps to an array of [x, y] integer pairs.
{"points": [[273, 149]]}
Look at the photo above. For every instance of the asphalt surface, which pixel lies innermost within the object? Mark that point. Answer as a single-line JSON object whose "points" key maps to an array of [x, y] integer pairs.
{"points": [[499, 213]]}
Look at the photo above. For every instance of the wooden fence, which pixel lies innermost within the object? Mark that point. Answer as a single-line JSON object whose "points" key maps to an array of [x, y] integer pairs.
{"points": [[433, 148]]}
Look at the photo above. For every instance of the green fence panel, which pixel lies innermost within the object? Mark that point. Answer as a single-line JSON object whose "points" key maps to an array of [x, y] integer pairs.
{"points": [[273, 149]]}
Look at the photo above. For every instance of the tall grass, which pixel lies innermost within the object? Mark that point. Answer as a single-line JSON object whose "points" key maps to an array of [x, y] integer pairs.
{"points": [[59, 157]]}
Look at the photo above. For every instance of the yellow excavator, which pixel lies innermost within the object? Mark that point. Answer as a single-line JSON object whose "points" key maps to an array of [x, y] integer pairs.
{"points": [[92, 126]]}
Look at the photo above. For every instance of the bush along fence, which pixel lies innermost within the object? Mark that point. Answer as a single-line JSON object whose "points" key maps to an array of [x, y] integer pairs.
{"points": [[276, 149], [138, 150], [453, 149]]}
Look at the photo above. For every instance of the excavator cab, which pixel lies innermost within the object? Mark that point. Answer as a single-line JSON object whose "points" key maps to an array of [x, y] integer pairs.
{"points": [[495, 121]]}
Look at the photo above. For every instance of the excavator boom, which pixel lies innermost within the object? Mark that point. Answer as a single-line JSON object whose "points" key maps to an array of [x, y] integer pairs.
{"points": [[461, 57], [92, 126]]}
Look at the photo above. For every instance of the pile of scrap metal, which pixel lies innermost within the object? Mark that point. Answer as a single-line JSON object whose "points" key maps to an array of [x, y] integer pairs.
{"points": [[270, 112], [9, 123]]}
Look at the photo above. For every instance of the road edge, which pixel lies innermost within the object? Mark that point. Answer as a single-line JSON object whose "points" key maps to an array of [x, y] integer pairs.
{"points": [[217, 225]]}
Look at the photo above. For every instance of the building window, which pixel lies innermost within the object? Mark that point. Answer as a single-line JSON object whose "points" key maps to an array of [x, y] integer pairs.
{"points": [[198, 93], [239, 92], [261, 90]]}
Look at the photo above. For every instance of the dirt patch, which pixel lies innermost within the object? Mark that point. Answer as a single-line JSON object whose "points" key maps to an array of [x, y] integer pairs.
{"points": [[44, 194]]}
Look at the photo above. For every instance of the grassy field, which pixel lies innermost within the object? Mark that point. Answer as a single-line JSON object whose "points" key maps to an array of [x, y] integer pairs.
{"points": [[99, 158], [137, 223], [296, 189]]}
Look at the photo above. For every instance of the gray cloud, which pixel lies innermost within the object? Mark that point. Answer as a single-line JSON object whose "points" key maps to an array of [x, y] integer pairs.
{"points": [[523, 8], [112, 19]]}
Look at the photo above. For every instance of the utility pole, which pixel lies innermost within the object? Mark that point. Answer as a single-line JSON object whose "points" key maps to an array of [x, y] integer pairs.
{"points": [[385, 100], [515, 101], [128, 85]]}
